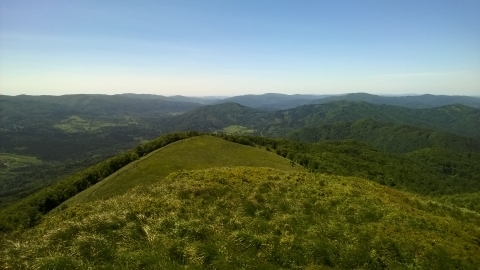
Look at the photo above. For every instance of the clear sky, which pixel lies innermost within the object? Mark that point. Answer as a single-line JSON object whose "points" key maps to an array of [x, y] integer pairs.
{"points": [[224, 47]]}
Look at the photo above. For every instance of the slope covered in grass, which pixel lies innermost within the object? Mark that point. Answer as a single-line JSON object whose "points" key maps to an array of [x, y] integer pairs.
{"points": [[252, 218], [194, 153]]}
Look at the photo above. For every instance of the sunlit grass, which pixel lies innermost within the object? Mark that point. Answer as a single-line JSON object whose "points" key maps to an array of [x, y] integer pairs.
{"points": [[252, 218], [194, 153]]}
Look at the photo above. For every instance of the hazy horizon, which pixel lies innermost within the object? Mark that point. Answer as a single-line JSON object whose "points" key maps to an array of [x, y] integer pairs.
{"points": [[259, 94], [214, 48]]}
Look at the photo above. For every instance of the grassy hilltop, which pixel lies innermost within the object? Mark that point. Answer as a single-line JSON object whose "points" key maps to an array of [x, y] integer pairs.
{"points": [[194, 153], [203, 202], [252, 218]]}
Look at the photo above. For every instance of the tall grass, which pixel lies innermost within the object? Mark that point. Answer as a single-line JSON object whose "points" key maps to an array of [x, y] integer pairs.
{"points": [[252, 218]]}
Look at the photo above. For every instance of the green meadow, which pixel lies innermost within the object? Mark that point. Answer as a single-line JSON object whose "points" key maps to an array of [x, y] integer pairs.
{"points": [[13, 161], [191, 154], [235, 129], [252, 218], [75, 124]]}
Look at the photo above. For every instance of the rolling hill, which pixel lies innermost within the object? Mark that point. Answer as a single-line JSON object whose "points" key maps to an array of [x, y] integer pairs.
{"points": [[417, 102], [457, 119], [21, 110], [44, 127], [405, 193], [271, 101], [177, 98], [194, 153], [215, 117], [250, 217], [388, 137]]}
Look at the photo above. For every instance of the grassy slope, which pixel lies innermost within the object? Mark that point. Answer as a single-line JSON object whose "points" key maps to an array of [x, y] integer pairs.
{"points": [[195, 153], [252, 218]]}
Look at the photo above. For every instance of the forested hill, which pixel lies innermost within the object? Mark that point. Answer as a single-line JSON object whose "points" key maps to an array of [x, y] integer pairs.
{"points": [[458, 119], [177, 98], [389, 137], [418, 102], [271, 101], [215, 117], [70, 132], [19, 110]]}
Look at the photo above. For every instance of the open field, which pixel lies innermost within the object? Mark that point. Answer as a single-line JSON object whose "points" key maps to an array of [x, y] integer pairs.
{"points": [[75, 124], [235, 129], [13, 161]]}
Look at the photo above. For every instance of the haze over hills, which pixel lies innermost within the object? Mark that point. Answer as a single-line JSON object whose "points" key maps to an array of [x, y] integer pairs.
{"points": [[177, 98], [458, 119], [409, 101], [152, 104], [272, 101], [19, 108]]}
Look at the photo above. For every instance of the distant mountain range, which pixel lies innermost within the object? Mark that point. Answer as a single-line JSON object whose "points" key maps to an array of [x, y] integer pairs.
{"points": [[20, 109], [147, 104], [273, 101], [457, 119], [418, 102]]}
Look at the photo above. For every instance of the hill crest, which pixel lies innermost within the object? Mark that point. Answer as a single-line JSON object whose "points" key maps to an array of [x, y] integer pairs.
{"points": [[193, 153]]}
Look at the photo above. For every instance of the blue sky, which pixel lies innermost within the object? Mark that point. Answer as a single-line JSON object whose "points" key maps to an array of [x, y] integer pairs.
{"points": [[199, 48]]}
